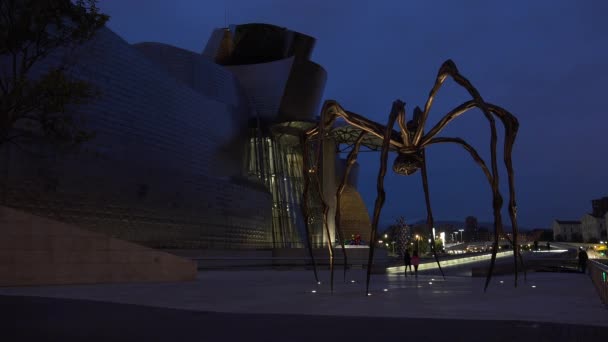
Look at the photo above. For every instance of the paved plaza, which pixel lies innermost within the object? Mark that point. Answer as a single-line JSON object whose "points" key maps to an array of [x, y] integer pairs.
{"points": [[554, 303]]}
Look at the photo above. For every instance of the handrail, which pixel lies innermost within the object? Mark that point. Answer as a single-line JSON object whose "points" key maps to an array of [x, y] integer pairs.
{"points": [[599, 276]]}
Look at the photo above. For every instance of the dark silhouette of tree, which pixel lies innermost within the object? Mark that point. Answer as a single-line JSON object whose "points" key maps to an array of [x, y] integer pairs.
{"points": [[30, 31], [547, 235]]}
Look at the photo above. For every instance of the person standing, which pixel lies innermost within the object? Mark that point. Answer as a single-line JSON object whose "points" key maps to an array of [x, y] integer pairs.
{"points": [[582, 259], [415, 262], [407, 261]]}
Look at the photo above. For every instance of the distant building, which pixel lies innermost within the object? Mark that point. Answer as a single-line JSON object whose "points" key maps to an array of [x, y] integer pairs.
{"points": [[471, 229], [604, 236], [484, 234], [593, 228], [567, 230], [599, 206]]}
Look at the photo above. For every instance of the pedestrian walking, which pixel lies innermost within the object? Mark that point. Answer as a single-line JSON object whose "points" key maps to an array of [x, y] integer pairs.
{"points": [[415, 262], [407, 261], [582, 259]]}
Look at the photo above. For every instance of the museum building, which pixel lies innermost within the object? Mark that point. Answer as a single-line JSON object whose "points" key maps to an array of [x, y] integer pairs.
{"points": [[190, 150]]}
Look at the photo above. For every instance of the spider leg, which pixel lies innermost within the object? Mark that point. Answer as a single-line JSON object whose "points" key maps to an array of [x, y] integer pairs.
{"points": [[304, 203], [449, 117], [325, 122], [398, 106], [496, 195], [329, 113], [405, 133], [332, 110], [448, 68], [350, 161], [511, 126], [429, 212]]}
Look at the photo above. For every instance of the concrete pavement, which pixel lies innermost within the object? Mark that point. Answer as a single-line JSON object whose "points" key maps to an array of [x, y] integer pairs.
{"points": [[546, 297]]}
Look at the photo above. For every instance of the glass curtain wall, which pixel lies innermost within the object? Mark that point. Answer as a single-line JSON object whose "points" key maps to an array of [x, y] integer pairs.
{"points": [[278, 165]]}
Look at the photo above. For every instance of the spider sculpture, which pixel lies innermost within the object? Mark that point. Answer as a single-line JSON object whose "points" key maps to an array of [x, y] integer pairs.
{"points": [[410, 143]]}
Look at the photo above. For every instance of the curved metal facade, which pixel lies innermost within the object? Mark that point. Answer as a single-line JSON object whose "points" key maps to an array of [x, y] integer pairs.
{"points": [[278, 61], [184, 154], [154, 173], [283, 85], [355, 218]]}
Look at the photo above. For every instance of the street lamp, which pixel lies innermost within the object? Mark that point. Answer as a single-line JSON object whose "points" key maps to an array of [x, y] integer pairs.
{"points": [[461, 238]]}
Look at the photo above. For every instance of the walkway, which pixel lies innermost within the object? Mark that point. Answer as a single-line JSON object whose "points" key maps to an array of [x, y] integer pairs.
{"points": [[545, 297]]}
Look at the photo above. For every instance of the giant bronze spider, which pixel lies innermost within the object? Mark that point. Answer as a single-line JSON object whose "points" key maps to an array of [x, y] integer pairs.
{"points": [[410, 143]]}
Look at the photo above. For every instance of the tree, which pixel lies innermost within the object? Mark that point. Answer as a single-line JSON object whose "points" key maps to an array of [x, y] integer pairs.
{"points": [[439, 245], [547, 235], [401, 235], [398, 234], [30, 31]]}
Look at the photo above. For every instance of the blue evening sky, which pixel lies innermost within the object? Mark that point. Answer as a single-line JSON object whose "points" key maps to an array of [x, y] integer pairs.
{"points": [[545, 61]]}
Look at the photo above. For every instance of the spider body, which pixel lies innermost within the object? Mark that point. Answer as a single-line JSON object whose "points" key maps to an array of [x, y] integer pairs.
{"points": [[408, 163], [410, 143]]}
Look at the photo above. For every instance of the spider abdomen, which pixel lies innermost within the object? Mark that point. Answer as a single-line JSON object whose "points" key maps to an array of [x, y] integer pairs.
{"points": [[407, 163]]}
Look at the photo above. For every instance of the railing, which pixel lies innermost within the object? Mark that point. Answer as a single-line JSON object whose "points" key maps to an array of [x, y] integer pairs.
{"points": [[457, 261], [599, 276]]}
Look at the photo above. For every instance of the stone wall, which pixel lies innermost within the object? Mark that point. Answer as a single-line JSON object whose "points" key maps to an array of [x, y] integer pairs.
{"points": [[39, 251]]}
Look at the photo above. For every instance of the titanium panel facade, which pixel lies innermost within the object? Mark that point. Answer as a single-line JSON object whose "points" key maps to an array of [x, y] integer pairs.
{"points": [[184, 154], [152, 173]]}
